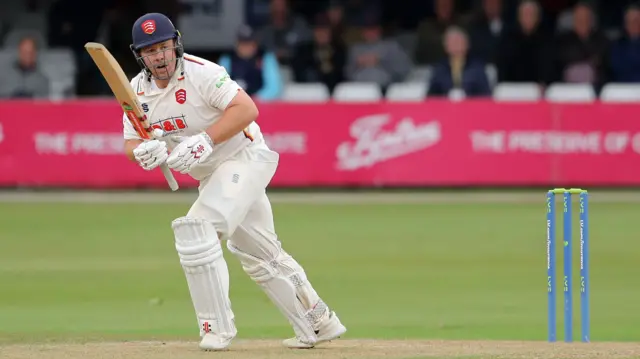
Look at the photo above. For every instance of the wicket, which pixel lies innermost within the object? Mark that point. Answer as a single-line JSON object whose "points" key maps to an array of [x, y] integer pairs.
{"points": [[567, 254]]}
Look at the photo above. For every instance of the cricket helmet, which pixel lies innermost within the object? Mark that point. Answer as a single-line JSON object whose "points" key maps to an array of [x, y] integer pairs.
{"points": [[150, 29]]}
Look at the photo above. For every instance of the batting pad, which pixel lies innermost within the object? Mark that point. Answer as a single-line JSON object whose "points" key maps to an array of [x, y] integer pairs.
{"points": [[284, 282], [207, 274]]}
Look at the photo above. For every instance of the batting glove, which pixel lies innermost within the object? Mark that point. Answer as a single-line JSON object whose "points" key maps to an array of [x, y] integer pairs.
{"points": [[151, 154], [190, 152]]}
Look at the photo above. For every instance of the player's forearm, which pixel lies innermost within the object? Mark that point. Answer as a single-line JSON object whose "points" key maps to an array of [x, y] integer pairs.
{"points": [[240, 113], [129, 146]]}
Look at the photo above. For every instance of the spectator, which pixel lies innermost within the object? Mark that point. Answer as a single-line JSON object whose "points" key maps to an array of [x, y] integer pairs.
{"points": [[376, 59], [429, 49], [459, 71], [523, 54], [257, 70], [485, 31], [24, 79], [324, 59], [582, 53], [355, 13], [625, 54], [348, 35], [284, 31]]}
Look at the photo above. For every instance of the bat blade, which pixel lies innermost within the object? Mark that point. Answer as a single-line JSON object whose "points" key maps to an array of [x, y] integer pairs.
{"points": [[127, 99], [120, 87]]}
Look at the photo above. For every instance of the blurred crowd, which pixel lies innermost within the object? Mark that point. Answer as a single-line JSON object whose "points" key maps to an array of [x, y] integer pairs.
{"points": [[374, 41]]}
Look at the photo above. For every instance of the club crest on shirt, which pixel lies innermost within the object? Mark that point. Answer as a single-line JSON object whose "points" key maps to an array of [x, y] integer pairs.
{"points": [[181, 96]]}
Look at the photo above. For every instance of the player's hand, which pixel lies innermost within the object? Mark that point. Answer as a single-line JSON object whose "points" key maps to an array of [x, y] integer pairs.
{"points": [[151, 154], [191, 151]]}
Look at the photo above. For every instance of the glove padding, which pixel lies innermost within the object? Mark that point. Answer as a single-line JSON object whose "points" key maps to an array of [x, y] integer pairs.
{"points": [[191, 151], [151, 154]]}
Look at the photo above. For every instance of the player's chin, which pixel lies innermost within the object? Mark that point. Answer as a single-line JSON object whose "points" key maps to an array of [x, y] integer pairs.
{"points": [[163, 72]]}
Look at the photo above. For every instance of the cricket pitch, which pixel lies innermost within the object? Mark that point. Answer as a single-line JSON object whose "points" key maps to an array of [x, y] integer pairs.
{"points": [[394, 349]]}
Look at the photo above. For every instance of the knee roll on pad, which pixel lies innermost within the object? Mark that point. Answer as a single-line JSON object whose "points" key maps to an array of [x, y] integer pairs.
{"points": [[194, 242], [198, 255], [201, 257]]}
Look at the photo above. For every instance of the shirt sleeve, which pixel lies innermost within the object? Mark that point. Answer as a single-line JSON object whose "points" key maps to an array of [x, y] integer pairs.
{"points": [[128, 130], [220, 89]]}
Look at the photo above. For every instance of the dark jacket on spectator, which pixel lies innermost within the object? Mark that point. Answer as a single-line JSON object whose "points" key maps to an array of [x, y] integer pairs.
{"points": [[574, 56], [485, 37], [524, 57], [317, 63], [625, 60], [474, 80]]}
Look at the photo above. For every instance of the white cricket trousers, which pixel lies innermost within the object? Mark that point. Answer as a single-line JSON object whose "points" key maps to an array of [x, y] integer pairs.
{"points": [[234, 200]]}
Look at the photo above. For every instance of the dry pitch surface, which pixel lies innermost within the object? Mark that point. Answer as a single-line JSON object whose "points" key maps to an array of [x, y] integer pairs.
{"points": [[258, 349]]}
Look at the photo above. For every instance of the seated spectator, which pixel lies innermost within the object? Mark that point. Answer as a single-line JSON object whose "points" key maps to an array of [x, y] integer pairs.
{"points": [[23, 79], [322, 60], [378, 60], [582, 53], [625, 54], [429, 49], [255, 69], [485, 31], [523, 54], [340, 29], [284, 31], [335, 15], [459, 71], [354, 13]]}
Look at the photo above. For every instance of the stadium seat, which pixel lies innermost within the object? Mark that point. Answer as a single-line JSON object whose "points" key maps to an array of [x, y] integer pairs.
{"points": [[492, 74], [287, 74], [620, 92], [357, 92], [7, 56], [306, 92], [511, 91], [62, 88], [420, 74], [456, 94], [407, 41], [570, 92], [407, 91], [59, 65], [58, 62]]}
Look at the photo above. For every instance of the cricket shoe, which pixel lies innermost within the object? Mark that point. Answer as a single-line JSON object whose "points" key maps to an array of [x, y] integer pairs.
{"points": [[213, 342], [329, 329]]}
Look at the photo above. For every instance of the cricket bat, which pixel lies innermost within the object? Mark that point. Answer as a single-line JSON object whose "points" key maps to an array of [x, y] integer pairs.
{"points": [[121, 88]]}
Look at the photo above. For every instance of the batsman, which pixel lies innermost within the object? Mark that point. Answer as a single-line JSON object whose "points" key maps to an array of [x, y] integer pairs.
{"points": [[210, 132]]}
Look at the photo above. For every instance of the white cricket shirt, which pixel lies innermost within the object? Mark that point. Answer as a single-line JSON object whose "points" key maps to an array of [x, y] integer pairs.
{"points": [[195, 98]]}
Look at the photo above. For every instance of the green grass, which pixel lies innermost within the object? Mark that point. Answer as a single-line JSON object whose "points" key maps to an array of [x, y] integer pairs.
{"points": [[463, 271]]}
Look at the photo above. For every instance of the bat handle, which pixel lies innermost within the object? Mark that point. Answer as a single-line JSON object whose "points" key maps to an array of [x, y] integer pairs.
{"points": [[173, 184]]}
